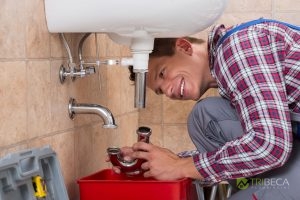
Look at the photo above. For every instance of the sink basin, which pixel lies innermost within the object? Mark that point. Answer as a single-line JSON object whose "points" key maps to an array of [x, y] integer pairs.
{"points": [[108, 185]]}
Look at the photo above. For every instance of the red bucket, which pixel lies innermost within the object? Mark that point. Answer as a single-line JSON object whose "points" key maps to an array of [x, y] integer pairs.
{"points": [[108, 185]]}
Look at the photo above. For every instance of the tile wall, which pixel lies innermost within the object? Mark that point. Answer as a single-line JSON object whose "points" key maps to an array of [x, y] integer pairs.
{"points": [[34, 103]]}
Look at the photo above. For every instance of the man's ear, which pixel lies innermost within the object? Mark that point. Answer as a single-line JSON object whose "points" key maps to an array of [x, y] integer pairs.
{"points": [[184, 46]]}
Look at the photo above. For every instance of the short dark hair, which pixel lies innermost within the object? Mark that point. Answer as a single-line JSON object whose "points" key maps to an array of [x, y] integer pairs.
{"points": [[163, 47]]}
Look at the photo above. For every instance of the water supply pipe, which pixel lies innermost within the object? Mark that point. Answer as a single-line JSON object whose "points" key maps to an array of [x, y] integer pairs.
{"points": [[81, 45], [129, 167], [83, 108]]}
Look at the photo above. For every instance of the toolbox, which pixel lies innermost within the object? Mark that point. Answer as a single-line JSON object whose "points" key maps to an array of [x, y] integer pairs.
{"points": [[32, 174], [108, 185]]}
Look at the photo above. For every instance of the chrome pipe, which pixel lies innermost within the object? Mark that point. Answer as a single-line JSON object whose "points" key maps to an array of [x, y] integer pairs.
{"points": [[81, 108], [129, 167], [81, 45], [140, 90], [62, 36]]}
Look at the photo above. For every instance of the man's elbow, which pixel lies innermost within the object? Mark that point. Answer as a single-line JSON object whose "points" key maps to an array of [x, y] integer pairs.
{"points": [[283, 158]]}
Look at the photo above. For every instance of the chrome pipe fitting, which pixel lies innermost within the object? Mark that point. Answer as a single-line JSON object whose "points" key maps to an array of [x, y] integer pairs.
{"points": [[129, 167], [140, 89], [72, 70], [81, 108]]}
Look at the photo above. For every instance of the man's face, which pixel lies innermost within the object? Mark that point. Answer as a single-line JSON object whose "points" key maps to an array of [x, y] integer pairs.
{"points": [[178, 77]]}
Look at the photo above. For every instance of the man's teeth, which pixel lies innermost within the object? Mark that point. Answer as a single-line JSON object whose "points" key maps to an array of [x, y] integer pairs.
{"points": [[182, 88]]}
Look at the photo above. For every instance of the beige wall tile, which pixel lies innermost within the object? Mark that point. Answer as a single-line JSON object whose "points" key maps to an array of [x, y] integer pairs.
{"points": [[88, 90], [249, 6], [13, 25], [64, 145], [14, 149], [120, 90], [89, 47], [287, 5], [156, 137], [113, 86], [37, 39], [125, 134], [125, 51], [38, 95], [100, 145], [152, 114], [229, 19], [102, 84], [101, 45], [13, 91], [90, 148], [57, 49], [176, 111], [176, 138], [289, 17], [60, 95], [39, 142], [113, 49], [83, 151]]}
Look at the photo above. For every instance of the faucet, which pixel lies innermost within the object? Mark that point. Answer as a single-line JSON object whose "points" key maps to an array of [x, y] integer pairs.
{"points": [[129, 167], [82, 108]]}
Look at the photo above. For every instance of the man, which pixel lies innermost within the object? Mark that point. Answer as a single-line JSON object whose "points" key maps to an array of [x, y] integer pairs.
{"points": [[248, 130]]}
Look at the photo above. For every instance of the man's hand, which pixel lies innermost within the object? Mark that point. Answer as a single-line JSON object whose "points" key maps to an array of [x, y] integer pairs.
{"points": [[126, 154], [162, 164]]}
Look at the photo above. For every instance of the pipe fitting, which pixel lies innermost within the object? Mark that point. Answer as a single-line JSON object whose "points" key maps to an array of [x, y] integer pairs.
{"points": [[72, 70], [81, 108], [129, 167]]}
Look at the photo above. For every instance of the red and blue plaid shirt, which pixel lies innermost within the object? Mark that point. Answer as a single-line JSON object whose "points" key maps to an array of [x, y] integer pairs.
{"points": [[258, 70]]}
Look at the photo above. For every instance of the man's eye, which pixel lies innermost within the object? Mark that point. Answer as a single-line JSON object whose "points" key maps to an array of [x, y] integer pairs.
{"points": [[162, 73]]}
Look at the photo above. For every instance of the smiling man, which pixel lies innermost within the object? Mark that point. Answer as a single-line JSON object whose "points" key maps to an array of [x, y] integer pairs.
{"points": [[248, 130], [185, 75]]}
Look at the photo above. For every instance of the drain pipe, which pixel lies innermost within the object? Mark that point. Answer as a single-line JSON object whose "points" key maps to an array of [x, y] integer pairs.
{"points": [[129, 167], [81, 108]]}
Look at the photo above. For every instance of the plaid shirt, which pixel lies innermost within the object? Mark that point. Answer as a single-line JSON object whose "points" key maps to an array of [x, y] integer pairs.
{"points": [[258, 70]]}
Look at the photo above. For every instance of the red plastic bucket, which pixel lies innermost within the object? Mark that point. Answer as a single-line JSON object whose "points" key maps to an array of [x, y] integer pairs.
{"points": [[108, 185]]}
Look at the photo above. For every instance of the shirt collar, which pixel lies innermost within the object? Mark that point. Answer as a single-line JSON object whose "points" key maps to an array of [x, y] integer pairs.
{"points": [[215, 34]]}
